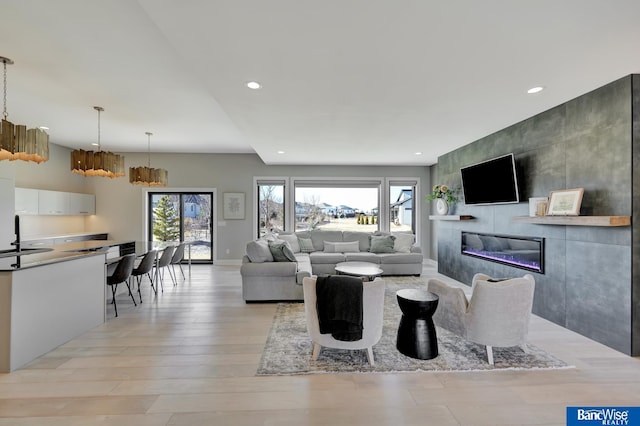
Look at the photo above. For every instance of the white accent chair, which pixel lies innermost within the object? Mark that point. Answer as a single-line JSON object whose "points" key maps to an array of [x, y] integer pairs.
{"points": [[497, 314], [372, 315]]}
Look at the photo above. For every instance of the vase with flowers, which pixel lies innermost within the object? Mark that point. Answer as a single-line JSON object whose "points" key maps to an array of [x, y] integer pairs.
{"points": [[445, 197]]}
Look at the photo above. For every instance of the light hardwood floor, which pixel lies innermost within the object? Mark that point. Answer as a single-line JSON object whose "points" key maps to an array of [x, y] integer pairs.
{"points": [[189, 357]]}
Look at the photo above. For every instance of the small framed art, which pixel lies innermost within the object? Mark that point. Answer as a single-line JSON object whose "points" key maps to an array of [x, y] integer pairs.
{"points": [[233, 205], [565, 202]]}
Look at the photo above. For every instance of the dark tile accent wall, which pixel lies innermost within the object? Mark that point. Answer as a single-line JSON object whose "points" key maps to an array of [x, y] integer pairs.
{"points": [[591, 282], [635, 219]]}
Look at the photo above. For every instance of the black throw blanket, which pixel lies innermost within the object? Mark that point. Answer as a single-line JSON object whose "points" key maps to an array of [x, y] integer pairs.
{"points": [[339, 305]]}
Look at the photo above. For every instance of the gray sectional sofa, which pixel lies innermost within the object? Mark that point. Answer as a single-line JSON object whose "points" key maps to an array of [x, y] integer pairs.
{"points": [[317, 252]]}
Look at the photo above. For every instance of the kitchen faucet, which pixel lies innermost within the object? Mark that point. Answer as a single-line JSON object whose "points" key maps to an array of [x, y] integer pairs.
{"points": [[17, 231]]}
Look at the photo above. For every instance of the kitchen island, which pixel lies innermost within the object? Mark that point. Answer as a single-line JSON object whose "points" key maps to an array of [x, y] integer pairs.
{"points": [[48, 298]]}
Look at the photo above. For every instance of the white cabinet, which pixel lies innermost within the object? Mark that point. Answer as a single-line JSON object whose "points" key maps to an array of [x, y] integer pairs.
{"points": [[44, 202], [52, 202], [81, 204], [26, 201]]}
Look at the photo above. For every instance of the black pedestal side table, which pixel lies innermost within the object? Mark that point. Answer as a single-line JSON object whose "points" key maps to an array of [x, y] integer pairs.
{"points": [[416, 333]]}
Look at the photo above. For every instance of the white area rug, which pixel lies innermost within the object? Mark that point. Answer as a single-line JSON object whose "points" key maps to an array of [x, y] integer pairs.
{"points": [[288, 348]]}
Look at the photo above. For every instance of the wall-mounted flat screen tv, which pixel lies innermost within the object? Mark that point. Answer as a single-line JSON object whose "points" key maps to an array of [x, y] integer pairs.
{"points": [[491, 182]]}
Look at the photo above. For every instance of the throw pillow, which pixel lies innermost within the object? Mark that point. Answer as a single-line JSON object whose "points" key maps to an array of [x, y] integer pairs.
{"points": [[292, 239], [306, 245], [403, 243], [381, 243], [281, 251], [341, 247], [258, 251]]}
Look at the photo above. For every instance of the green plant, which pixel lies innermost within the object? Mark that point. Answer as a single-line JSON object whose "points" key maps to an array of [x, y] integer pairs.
{"points": [[450, 195], [166, 224]]}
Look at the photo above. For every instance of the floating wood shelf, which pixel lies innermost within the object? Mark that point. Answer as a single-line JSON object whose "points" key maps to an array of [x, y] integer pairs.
{"points": [[576, 220], [451, 217]]}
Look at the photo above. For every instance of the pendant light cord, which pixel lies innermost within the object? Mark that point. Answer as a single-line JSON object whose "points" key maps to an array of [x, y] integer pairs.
{"points": [[99, 109], [149, 149], [4, 112]]}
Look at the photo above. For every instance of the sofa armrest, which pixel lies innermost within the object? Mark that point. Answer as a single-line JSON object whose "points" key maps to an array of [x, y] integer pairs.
{"points": [[416, 249], [452, 306]]}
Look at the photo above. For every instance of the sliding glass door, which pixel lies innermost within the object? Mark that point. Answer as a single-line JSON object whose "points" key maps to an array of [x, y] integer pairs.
{"points": [[183, 216]]}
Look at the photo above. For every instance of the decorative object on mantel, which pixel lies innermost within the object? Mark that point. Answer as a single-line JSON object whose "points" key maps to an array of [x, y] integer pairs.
{"points": [[444, 197], [538, 206], [565, 202], [16, 142], [99, 163], [146, 175]]}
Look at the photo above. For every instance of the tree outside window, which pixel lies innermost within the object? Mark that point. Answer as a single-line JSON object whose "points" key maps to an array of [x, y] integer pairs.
{"points": [[166, 224]]}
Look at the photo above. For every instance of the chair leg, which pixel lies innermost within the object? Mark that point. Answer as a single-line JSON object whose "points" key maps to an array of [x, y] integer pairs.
{"points": [[172, 274], [490, 355], [139, 280], [113, 297], [127, 282], [370, 356], [182, 271], [316, 351], [153, 287]]}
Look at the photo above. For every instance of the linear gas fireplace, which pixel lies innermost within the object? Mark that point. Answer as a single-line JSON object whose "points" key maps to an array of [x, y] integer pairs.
{"points": [[513, 250]]}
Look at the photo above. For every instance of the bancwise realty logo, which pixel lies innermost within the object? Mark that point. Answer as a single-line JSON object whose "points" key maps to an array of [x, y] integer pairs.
{"points": [[603, 416]]}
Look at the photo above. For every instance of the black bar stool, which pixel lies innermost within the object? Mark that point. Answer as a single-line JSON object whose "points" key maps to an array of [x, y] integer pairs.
{"points": [[121, 275]]}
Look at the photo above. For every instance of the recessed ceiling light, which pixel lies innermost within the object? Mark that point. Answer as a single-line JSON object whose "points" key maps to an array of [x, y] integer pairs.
{"points": [[280, 152], [418, 153], [43, 128], [94, 144], [254, 85], [536, 89]]}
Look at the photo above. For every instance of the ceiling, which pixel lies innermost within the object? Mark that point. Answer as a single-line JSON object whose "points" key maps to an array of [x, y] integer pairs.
{"points": [[344, 82]]}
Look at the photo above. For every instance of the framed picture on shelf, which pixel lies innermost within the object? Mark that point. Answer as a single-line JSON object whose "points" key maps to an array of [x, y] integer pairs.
{"points": [[565, 202], [233, 205]]}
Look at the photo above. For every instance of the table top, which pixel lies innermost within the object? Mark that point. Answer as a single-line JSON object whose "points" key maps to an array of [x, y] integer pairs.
{"points": [[417, 295], [359, 269]]}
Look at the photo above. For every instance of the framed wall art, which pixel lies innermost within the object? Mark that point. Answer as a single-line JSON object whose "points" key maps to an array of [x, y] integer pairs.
{"points": [[233, 205], [565, 202]]}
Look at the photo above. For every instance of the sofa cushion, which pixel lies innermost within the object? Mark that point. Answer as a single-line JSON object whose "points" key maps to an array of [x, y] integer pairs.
{"points": [[400, 258], [341, 247], [361, 237], [319, 257], [403, 242], [306, 245], [381, 243], [258, 251], [281, 251], [292, 239], [319, 237], [362, 257]]}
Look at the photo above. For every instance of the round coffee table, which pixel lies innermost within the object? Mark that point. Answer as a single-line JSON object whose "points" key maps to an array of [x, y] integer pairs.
{"points": [[416, 332], [366, 270]]}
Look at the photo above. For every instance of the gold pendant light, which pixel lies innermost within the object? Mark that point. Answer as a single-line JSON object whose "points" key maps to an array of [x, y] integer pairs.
{"points": [[99, 163], [146, 175], [16, 142]]}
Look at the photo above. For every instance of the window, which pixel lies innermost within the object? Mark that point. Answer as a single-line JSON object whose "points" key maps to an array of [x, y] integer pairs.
{"points": [[271, 207], [402, 214], [183, 216], [298, 203], [345, 205]]}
